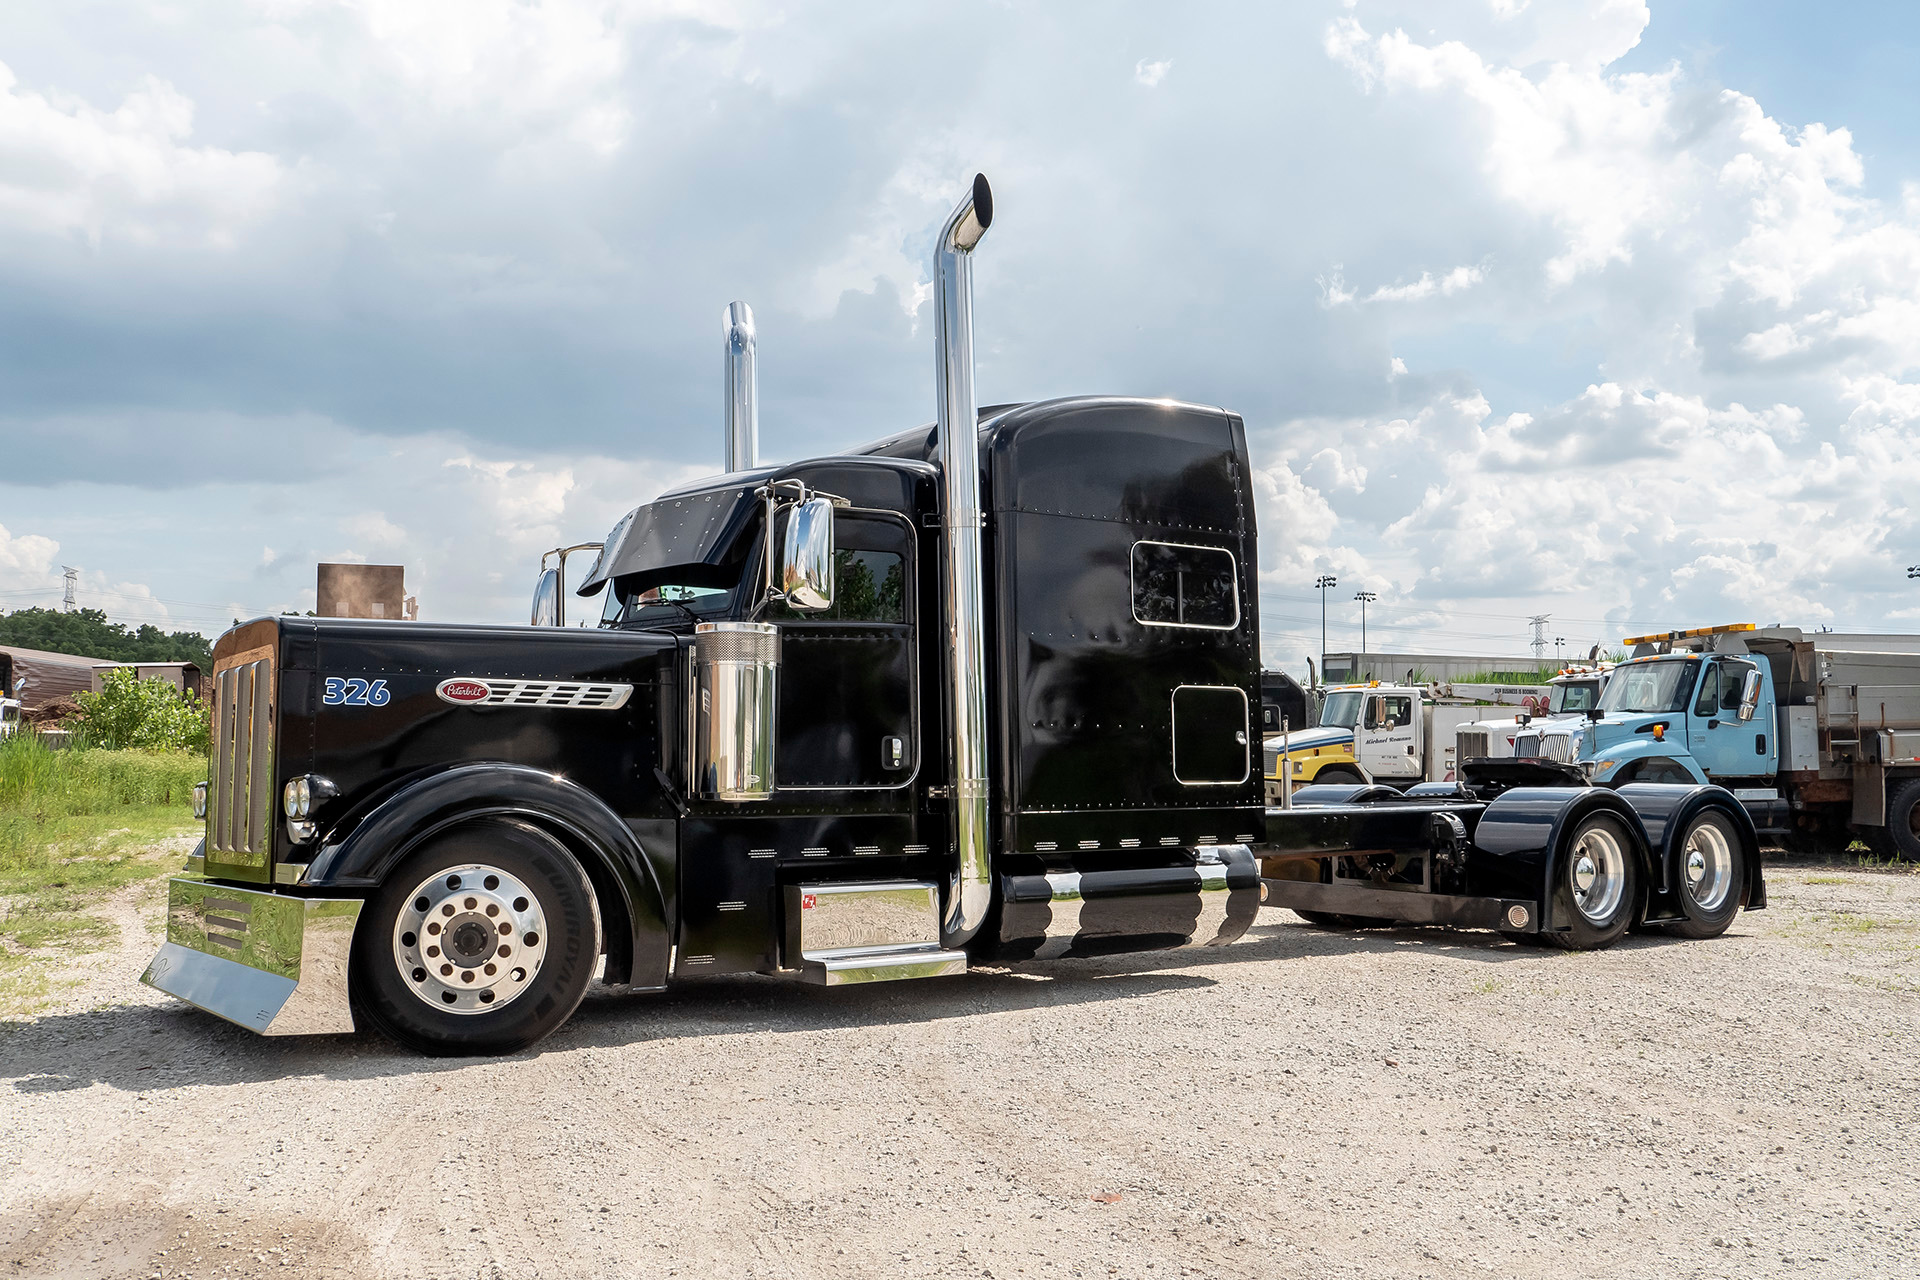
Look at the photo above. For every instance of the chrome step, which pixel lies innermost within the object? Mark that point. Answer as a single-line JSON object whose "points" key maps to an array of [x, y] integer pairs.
{"points": [[889, 964], [868, 931]]}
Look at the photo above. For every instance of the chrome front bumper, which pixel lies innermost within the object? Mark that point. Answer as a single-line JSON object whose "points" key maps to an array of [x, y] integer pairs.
{"points": [[272, 963]]}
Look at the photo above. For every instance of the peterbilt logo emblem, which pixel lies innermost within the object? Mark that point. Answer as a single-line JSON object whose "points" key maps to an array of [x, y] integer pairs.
{"points": [[464, 690]]}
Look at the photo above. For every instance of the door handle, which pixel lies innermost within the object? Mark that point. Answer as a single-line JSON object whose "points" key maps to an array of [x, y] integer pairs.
{"points": [[1713, 724]]}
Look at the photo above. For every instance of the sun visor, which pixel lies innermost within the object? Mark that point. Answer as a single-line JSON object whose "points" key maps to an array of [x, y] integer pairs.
{"points": [[692, 539]]}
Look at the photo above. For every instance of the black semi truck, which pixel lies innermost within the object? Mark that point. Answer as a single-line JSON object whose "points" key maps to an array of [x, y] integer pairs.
{"points": [[982, 692]]}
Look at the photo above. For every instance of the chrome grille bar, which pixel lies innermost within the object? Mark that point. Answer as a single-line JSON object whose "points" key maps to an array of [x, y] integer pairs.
{"points": [[240, 810]]}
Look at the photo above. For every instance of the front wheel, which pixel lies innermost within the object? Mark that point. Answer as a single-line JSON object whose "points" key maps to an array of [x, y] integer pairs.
{"points": [[482, 942], [1597, 886], [1712, 876], [1336, 777]]}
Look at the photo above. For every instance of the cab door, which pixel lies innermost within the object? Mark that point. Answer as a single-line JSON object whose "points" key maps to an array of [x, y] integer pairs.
{"points": [[848, 688], [1724, 745], [1388, 740]]}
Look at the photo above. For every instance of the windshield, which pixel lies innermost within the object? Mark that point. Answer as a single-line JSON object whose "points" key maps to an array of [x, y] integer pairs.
{"points": [[1651, 686], [1341, 710], [1563, 699], [663, 604]]}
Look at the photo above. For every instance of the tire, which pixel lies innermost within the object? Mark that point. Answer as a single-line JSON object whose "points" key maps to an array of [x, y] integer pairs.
{"points": [[1337, 920], [1337, 777], [1596, 887], [521, 940], [1903, 813], [1711, 876]]}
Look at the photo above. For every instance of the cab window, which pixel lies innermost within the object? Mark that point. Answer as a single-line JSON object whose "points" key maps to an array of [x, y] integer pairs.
{"points": [[868, 586], [1390, 712], [1708, 700]]}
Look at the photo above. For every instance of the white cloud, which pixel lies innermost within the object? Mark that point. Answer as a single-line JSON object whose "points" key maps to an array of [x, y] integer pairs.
{"points": [[73, 168], [1492, 308]]}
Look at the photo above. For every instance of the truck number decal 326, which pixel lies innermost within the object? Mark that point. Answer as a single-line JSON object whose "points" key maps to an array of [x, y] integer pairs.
{"points": [[355, 693]]}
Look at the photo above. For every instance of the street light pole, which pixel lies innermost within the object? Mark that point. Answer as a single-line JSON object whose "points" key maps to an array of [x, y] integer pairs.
{"points": [[1363, 597], [1323, 582]]}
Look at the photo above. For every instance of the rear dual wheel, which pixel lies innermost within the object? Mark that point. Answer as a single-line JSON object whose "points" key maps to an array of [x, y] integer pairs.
{"points": [[482, 942], [1597, 886], [1712, 876]]}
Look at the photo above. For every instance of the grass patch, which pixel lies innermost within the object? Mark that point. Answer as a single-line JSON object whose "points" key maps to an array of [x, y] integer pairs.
{"points": [[1825, 880], [75, 827]]}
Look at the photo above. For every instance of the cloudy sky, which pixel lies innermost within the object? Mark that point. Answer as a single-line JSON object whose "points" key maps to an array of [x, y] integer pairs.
{"points": [[1600, 309]]}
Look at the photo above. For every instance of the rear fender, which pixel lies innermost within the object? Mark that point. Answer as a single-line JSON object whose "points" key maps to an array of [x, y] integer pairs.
{"points": [[633, 880], [1523, 837], [1666, 812]]}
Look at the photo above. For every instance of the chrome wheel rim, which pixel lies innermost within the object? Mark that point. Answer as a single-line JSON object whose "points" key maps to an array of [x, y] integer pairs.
{"points": [[470, 939], [1597, 870], [1706, 863]]}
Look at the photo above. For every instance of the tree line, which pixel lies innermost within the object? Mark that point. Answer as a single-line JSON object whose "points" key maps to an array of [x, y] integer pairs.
{"points": [[87, 633]]}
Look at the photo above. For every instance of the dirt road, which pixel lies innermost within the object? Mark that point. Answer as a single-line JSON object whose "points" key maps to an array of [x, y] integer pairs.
{"points": [[1404, 1103]]}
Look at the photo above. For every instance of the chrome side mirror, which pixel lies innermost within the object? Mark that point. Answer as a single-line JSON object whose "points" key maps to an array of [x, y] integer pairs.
{"points": [[546, 600], [803, 565], [1750, 693]]}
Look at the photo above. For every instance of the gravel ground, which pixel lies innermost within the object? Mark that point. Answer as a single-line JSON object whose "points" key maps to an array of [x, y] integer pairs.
{"points": [[1402, 1103]]}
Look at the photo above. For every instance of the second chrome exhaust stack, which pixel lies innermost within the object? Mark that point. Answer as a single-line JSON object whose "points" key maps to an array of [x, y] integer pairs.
{"points": [[743, 391], [971, 889]]}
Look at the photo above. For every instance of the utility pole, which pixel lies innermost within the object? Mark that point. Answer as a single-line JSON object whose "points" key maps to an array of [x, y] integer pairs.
{"points": [[69, 604], [1323, 582], [1364, 597], [1539, 622]]}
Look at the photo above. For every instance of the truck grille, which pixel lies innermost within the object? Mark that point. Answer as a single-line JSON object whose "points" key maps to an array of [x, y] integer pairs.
{"points": [[240, 808], [1473, 746]]}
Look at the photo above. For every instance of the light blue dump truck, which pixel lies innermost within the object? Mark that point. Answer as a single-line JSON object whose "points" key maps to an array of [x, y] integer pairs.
{"points": [[1817, 733]]}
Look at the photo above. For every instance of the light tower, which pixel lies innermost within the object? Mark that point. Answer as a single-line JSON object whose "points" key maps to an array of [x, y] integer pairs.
{"points": [[1364, 597], [1324, 581]]}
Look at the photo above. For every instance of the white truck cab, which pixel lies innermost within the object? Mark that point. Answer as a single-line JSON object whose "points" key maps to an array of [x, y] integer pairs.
{"points": [[1545, 732]]}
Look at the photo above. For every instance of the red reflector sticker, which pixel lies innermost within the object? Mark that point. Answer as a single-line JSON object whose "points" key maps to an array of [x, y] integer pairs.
{"points": [[464, 690], [806, 902]]}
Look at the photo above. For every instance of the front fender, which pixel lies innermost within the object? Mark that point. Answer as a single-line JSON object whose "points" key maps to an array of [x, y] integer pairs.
{"points": [[634, 880], [1523, 836], [1666, 812], [1622, 754]]}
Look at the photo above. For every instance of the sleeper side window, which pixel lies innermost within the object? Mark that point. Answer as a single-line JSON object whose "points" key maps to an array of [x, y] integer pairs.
{"points": [[1175, 585]]}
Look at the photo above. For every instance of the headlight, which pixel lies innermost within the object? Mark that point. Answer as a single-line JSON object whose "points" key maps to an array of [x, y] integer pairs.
{"points": [[297, 799], [304, 794]]}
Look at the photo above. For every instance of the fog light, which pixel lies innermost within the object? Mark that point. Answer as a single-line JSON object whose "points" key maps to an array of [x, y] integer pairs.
{"points": [[200, 800], [1517, 916]]}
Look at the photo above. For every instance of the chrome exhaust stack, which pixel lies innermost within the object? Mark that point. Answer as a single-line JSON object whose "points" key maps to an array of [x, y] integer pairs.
{"points": [[970, 889], [743, 391]]}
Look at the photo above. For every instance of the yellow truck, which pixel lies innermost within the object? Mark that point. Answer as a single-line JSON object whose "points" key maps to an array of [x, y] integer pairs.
{"points": [[1392, 734]]}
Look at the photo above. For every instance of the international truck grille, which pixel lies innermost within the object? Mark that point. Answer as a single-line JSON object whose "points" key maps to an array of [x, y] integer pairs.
{"points": [[1473, 746], [240, 809]]}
